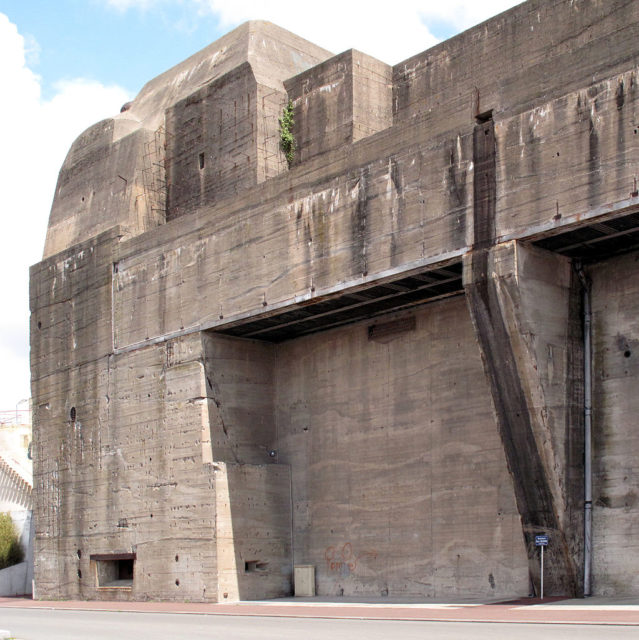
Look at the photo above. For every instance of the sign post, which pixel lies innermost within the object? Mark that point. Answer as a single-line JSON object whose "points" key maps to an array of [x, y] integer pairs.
{"points": [[542, 541]]}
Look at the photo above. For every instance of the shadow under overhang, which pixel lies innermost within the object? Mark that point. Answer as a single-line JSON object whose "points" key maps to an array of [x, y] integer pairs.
{"points": [[327, 312], [595, 241]]}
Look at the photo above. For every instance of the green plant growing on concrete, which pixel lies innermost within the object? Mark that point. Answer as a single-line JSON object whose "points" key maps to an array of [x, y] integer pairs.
{"points": [[10, 550], [287, 140]]}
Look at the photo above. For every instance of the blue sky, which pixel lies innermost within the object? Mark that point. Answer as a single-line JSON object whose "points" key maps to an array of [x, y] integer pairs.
{"points": [[130, 41], [94, 40], [65, 64]]}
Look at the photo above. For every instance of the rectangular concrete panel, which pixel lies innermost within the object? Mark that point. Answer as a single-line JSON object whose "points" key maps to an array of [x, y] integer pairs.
{"points": [[399, 486]]}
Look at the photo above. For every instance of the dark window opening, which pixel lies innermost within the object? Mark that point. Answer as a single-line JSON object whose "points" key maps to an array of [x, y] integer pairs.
{"points": [[114, 570], [125, 569], [486, 116], [72, 414], [201, 159], [253, 566]]}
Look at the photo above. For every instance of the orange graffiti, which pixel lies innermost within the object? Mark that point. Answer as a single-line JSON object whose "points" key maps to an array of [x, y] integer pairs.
{"points": [[344, 559]]}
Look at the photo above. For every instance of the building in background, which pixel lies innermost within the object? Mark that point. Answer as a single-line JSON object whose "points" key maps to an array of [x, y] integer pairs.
{"points": [[370, 360], [16, 483]]}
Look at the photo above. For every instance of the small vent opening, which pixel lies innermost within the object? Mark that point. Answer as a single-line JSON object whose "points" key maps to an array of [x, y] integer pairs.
{"points": [[387, 329], [255, 566]]}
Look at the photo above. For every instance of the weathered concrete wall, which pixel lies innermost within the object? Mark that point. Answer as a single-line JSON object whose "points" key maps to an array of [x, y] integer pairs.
{"points": [[241, 399], [14, 581], [101, 185], [127, 468], [507, 63], [125, 450], [520, 128], [222, 140], [400, 484], [363, 219], [113, 172], [355, 224], [531, 342], [577, 153], [342, 100], [117, 445], [615, 296], [253, 531], [211, 143]]}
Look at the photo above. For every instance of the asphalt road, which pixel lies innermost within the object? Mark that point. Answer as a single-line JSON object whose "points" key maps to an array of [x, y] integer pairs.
{"points": [[49, 624]]}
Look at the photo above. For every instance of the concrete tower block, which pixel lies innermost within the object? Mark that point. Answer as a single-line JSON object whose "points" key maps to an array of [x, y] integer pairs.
{"points": [[340, 101], [116, 171]]}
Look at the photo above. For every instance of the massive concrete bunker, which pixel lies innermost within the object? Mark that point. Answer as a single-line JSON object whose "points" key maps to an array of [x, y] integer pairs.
{"points": [[370, 361]]}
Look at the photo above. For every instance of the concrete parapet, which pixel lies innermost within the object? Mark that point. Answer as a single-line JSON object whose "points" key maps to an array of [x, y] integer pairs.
{"points": [[342, 100]]}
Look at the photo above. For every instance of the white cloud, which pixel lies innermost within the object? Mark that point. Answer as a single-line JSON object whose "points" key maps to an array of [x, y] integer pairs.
{"points": [[462, 14], [123, 5], [390, 35], [35, 135], [390, 31]]}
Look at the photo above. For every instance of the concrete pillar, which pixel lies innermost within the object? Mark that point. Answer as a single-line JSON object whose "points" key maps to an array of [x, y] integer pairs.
{"points": [[527, 324], [524, 307]]}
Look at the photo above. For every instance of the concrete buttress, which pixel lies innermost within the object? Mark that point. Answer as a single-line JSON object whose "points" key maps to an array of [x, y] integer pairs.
{"points": [[522, 301]]}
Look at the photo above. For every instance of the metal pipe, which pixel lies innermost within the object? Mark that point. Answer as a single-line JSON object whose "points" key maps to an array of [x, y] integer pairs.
{"points": [[587, 311]]}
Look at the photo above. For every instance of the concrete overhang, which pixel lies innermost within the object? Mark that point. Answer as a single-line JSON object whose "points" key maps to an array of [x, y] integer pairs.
{"points": [[326, 312], [596, 240]]}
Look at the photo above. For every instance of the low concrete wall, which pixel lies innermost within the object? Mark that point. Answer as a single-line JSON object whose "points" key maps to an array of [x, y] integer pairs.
{"points": [[17, 580], [13, 580]]}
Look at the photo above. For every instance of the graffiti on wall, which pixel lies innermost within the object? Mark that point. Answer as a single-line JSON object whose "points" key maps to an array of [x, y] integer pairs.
{"points": [[343, 559]]}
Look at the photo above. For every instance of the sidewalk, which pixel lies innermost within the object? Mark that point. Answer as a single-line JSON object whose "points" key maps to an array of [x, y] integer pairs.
{"points": [[596, 611]]}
